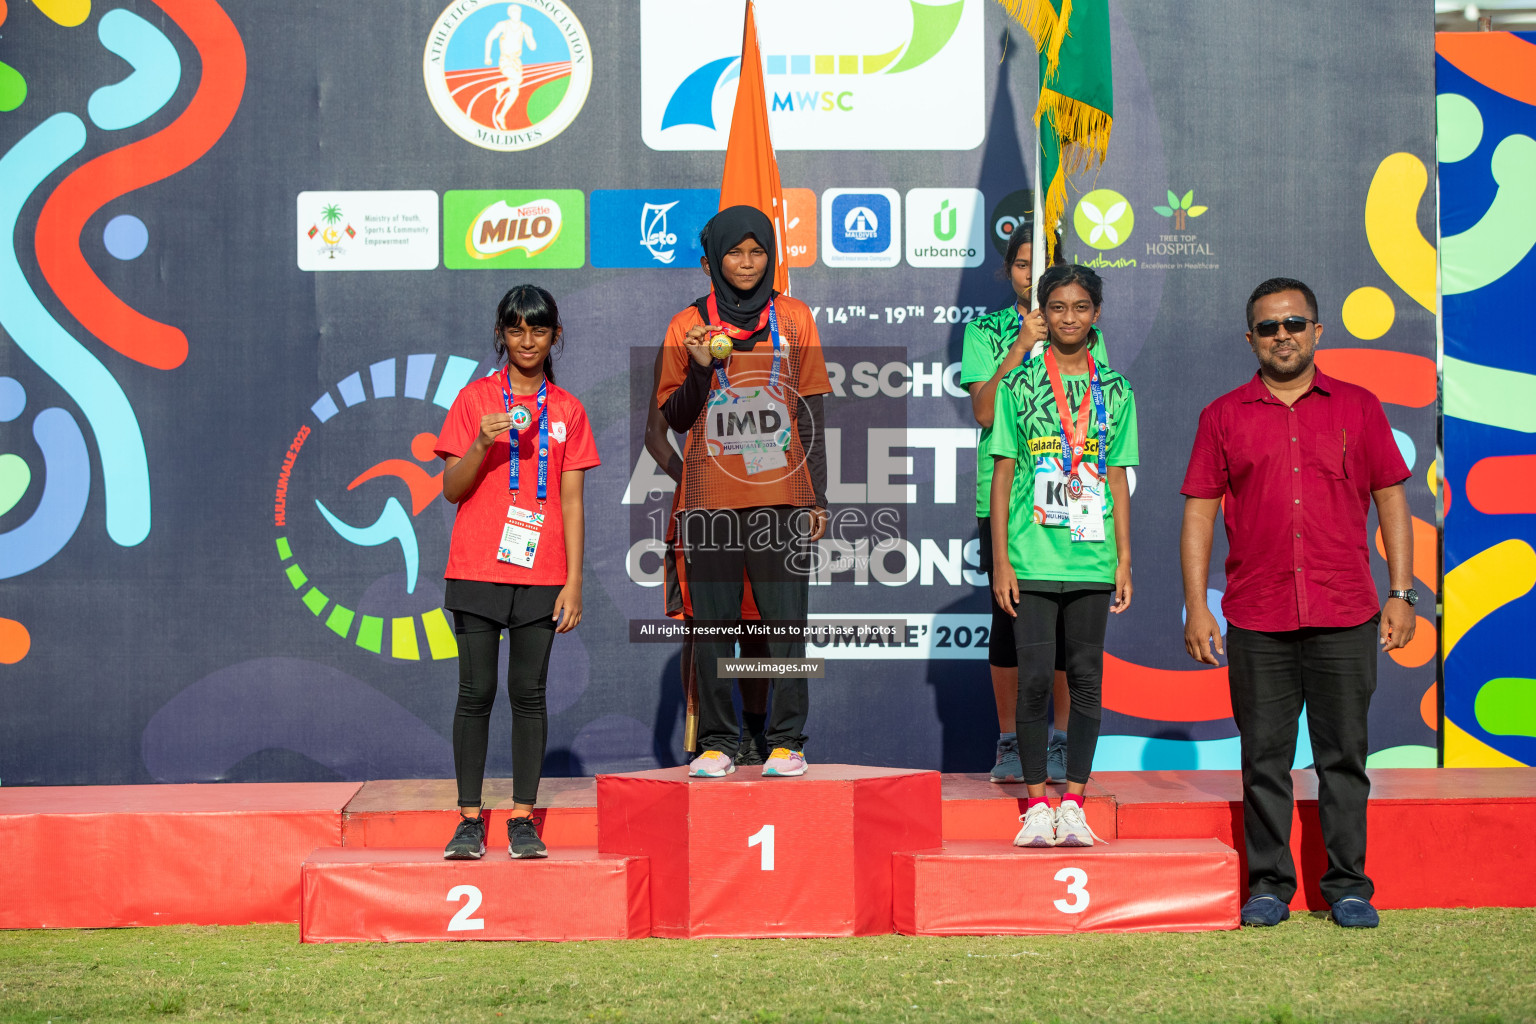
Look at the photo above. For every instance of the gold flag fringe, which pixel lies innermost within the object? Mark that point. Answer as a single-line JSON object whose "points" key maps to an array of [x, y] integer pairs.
{"points": [[1044, 26], [1081, 128]]}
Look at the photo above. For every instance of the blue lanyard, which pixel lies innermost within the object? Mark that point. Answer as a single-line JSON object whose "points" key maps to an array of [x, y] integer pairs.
{"points": [[543, 403], [778, 354]]}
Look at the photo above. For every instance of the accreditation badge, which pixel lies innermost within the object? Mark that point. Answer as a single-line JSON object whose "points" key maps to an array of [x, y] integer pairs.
{"points": [[520, 537], [1074, 500], [752, 422]]}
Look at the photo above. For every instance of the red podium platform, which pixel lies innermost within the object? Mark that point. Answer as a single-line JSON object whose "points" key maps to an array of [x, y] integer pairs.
{"points": [[1134, 885], [115, 856], [746, 856], [975, 807], [1437, 837], [378, 895]]}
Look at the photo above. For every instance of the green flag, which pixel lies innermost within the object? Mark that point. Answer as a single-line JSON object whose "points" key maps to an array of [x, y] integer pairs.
{"points": [[1077, 96]]}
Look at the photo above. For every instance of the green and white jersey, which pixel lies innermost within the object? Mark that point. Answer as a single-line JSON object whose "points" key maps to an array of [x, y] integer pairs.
{"points": [[1027, 426], [987, 340]]}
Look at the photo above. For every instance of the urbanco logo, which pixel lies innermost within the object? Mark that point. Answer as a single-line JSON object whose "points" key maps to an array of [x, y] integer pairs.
{"points": [[1104, 219], [507, 76], [514, 229], [880, 74], [946, 227]]}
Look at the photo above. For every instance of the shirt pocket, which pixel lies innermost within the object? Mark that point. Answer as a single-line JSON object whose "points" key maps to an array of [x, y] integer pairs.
{"points": [[1326, 455]]}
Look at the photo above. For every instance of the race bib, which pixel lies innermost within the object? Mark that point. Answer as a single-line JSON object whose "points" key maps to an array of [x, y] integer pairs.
{"points": [[1072, 500], [752, 422], [520, 537]]}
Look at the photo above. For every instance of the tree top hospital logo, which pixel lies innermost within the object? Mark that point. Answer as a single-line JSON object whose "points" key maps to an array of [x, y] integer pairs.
{"points": [[837, 76], [507, 76], [358, 510]]}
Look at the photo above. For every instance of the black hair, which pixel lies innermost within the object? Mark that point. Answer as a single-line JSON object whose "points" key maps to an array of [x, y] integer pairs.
{"points": [[527, 304], [1022, 235], [1062, 274], [1274, 286]]}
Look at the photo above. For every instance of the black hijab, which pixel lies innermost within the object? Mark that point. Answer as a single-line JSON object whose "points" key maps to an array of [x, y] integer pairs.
{"points": [[723, 232]]}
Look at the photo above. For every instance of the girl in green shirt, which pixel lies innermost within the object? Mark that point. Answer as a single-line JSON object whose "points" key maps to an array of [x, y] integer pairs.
{"points": [[1061, 535]]}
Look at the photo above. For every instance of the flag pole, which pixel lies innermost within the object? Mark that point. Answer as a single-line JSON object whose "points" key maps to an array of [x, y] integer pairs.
{"points": [[1038, 257]]}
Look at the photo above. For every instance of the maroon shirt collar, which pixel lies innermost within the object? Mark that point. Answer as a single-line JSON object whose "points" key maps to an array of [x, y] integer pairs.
{"points": [[1255, 391]]}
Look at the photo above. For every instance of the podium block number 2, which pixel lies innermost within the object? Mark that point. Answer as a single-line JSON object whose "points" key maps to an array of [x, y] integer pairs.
{"points": [[763, 837], [464, 921], [1077, 888]]}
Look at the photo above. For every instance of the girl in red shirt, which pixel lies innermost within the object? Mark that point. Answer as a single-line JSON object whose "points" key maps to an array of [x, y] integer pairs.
{"points": [[516, 449]]}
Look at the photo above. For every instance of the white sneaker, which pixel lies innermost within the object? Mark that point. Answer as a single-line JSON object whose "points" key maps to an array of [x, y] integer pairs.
{"points": [[1039, 827], [1072, 827]]}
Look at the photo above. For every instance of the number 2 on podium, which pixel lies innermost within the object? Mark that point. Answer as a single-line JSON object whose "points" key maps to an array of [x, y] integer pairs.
{"points": [[463, 921], [763, 837]]}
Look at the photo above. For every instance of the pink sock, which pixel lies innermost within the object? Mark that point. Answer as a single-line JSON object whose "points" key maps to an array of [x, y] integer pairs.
{"points": [[1076, 798], [1035, 800]]}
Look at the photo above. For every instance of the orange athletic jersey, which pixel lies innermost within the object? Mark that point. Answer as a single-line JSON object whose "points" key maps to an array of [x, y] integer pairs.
{"points": [[721, 481]]}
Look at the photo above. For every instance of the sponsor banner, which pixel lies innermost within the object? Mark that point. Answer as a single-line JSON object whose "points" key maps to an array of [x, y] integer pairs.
{"points": [[860, 227], [650, 227], [367, 230], [883, 74], [509, 230], [800, 226], [507, 76], [946, 227]]}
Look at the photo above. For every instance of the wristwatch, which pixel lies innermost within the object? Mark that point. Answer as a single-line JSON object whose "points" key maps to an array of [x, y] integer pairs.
{"points": [[1410, 595]]}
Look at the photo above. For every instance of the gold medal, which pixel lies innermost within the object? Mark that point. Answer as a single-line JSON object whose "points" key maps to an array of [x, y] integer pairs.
{"points": [[720, 345]]}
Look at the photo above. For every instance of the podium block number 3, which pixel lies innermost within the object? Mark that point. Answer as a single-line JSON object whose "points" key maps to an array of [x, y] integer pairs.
{"points": [[763, 837], [1077, 888], [463, 921]]}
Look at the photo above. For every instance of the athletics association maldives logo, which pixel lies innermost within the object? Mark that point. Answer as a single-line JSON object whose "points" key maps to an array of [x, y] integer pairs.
{"points": [[358, 508], [507, 76]]}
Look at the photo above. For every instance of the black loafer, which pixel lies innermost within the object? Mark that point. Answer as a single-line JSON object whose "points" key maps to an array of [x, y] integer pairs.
{"points": [[1354, 912], [1265, 910]]}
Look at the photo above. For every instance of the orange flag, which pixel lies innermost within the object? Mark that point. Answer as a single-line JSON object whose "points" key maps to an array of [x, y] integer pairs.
{"points": [[751, 175]]}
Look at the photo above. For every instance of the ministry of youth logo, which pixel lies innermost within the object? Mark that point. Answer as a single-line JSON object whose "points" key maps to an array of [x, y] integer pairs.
{"points": [[507, 76], [654, 235]]}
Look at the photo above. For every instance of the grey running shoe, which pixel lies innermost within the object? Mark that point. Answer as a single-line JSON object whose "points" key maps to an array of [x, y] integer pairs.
{"points": [[468, 842], [1056, 757], [523, 839], [1008, 767]]}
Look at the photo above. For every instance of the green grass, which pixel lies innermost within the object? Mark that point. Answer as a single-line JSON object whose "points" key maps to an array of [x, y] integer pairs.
{"points": [[1421, 965]]}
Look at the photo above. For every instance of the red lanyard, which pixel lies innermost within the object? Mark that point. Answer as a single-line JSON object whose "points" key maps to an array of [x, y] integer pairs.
{"points": [[736, 333], [1078, 437]]}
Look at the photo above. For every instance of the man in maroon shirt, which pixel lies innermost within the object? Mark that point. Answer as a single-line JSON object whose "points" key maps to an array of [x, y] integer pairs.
{"points": [[1293, 459]]}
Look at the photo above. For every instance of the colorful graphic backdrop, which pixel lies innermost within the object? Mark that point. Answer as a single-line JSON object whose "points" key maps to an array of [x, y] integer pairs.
{"points": [[253, 251], [1486, 109]]}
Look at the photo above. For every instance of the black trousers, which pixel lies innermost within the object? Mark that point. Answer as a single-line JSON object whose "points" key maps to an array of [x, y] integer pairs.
{"points": [[1082, 616], [1332, 672], [530, 635], [769, 543]]}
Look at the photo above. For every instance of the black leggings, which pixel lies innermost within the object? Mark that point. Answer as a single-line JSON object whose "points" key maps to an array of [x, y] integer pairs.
{"points": [[1083, 616], [530, 633]]}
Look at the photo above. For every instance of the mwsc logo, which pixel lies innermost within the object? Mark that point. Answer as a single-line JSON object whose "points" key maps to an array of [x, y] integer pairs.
{"points": [[884, 74], [507, 76]]}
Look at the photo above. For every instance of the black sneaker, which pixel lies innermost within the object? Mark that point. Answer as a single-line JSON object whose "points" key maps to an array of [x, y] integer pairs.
{"points": [[523, 839], [752, 749], [468, 842]]}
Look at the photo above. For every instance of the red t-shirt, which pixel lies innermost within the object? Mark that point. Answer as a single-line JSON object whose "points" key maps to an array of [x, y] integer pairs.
{"points": [[483, 511], [1297, 482]]}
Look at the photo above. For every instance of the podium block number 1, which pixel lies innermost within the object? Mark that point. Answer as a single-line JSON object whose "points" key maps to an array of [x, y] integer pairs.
{"points": [[1077, 888], [464, 921], [763, 837]]}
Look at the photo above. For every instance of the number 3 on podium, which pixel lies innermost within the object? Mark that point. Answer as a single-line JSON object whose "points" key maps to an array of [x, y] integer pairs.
{"points": [[1077, 888], [763, 837]]}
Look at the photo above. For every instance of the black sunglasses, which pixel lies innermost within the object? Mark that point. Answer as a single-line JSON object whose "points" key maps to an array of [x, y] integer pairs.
{"points": [[1292, 325]]}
